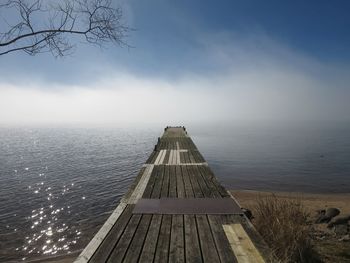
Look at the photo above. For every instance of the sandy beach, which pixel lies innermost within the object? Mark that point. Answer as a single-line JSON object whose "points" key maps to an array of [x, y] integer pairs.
{"points": [[312, 202]]}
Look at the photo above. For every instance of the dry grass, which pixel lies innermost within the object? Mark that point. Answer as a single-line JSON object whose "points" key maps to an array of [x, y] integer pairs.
{"points": [[283, 225]]}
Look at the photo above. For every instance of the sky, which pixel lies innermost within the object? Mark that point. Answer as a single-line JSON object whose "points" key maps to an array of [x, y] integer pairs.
{"points": [[193, 61]]}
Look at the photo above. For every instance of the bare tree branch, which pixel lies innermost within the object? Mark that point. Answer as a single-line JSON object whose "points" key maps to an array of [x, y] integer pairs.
{"points": [[49, 26]]}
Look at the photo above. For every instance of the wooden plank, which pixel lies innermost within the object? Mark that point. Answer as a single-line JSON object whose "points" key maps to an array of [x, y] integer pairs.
{"points": [[182, 158], [140, 187], [136, 245], [113, 236], [171, 157], [179, 182], [151, 157], [187, 182], [159, 180], [178, 161], [241, 244], [192, 247], [223, 246], [195, 186], [208, 182], [206, 191], [159, 154], [206, 240], [162, 250], [150, 244], [210, 177], [192, 159], [120, 250], [166, 158], [177, 245], [172, 182], [161, 161], [165, 183], [256, 238], [187, 156], [151, 182]]}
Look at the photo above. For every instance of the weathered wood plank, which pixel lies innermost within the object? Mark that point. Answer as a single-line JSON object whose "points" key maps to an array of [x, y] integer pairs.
{"points": [[192, 159], [208, 182], [192, 248], [206, 191], [150, 244], [162, 250], [177, 248], [179, 182], [106, 247], [120, 250], [207, 243], [172, 182], [140, 187], [150, 185], [136, 245], [205, 170], [165, 183], [159, 180], [223, 247], [195, 186], [241, 244], [187, 182], [166, 158]]}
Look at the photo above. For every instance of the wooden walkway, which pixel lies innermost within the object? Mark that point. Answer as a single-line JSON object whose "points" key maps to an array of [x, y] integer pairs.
{"points": [[205, 227]]}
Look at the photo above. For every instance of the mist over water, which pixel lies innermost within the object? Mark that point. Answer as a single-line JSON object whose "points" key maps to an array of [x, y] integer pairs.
{"points": [[296, 157], [59, 185]]}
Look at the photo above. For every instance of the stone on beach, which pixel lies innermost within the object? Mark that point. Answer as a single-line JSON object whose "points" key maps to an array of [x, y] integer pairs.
{"points": [[326, 217], [339, 220]]}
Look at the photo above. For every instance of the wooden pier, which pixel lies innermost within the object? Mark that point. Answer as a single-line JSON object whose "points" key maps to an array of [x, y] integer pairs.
{"points": [[176, 211]]}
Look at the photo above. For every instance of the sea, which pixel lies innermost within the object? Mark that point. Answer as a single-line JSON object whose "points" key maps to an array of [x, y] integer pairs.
{"points": [[60, 183]]}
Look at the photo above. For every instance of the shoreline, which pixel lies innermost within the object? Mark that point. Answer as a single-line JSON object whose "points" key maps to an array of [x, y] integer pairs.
{"points": [[311, 201]]}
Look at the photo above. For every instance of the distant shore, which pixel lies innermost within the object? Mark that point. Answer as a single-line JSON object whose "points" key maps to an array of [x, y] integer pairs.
{"points": [[248, 198]]}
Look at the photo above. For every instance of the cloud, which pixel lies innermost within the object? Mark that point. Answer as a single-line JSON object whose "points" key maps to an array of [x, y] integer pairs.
{"points": [[252, 79]]}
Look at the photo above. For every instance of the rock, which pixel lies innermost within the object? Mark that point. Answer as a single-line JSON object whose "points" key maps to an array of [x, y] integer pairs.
{"points": [[340, 230], [320, 211], [345, 238], [339, 220], [328, 215], [248, 213]]}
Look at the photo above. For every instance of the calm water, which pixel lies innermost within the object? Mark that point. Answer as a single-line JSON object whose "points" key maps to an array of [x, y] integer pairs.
{"points": [[58, 185]]}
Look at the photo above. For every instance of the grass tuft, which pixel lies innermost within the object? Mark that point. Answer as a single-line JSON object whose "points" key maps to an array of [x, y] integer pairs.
{"points": [[284, 226]]}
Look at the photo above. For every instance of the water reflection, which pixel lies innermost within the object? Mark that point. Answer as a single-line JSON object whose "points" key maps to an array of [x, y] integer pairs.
{"points": [[59, 185], [48, 234]]}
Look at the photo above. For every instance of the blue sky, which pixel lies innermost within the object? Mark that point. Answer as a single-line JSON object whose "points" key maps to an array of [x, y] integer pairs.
{"points": [[284, 59]]}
